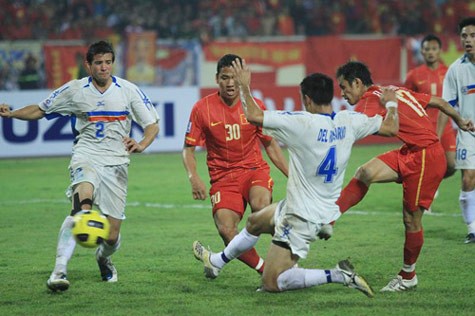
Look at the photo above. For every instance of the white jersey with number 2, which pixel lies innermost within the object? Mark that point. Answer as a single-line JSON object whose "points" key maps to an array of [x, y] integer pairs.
{"points": [[101, 120], [319, 149]]}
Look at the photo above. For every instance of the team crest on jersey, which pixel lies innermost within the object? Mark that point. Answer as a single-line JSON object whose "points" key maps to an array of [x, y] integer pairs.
{"points": [[244, 119]]}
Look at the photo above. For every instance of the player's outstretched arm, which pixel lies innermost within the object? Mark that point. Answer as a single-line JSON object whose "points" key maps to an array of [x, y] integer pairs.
{"points": [[447, 109], [27, 113], [242, 75]]}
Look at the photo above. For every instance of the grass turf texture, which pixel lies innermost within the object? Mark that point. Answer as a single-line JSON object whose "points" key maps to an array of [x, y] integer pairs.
{"points": [[158, 274]]}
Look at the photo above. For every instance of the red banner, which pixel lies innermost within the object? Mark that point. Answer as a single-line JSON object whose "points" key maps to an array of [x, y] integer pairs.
{"points": [[285, 98], [276, 54], [278, 68], [381, 55], [64, 63]]}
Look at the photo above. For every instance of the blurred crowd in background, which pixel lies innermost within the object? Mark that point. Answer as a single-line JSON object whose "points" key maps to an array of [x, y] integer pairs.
{"points": [[210, 19], [204, 21]]}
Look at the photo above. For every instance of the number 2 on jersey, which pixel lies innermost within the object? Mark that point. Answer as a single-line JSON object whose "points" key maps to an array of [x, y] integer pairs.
{"points": [[327, 167], [100, 129]]}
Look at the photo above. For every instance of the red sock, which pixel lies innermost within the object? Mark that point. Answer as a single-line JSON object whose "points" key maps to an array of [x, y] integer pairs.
{"points": [[351, 194], [252, 259], [412, 249]]}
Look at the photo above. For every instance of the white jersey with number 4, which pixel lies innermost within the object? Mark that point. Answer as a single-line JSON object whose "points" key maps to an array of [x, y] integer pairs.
{"points": [[101, 120], [319, 149]]}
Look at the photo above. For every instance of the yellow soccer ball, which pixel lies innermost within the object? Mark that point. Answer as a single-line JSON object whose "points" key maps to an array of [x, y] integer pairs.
{"points": [[90, 228]]}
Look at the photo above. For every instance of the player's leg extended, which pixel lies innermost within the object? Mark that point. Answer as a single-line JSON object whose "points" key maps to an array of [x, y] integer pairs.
{"points": [[226, 222], [467, 203], [281, 273], [257, 224], [81, 200], [374, 171], [279, 259]]}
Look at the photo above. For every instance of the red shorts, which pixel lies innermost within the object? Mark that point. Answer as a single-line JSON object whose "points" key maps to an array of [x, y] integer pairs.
{"points": [[233, 193], [420, 172], [448, 138]]}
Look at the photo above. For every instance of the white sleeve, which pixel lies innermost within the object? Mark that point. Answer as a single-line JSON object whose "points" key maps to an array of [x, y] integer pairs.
{"points": [[59, 101], [282, 125], [449, 88], [143, 111], [363, 125]]}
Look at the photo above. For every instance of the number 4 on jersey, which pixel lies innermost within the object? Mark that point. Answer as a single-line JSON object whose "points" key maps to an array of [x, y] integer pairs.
{"points": [[327, 167]]}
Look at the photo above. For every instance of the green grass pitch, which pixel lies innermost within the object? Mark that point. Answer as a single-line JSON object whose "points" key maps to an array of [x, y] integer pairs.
{"points": [[158, 274]]}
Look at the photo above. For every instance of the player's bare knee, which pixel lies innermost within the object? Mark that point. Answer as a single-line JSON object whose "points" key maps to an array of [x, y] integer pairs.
{"points": [[258, 204], [363, 173], [468, 181], [253, 225], [413, 220]]}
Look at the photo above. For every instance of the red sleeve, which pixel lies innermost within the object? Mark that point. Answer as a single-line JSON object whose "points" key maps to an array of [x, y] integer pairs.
{"points": [[194, 133], [370, 106], [410, 81]]}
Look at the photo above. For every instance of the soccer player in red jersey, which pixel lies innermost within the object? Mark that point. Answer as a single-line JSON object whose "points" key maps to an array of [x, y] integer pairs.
{"points": [[428, 78], [238, 173], [419, 164]]}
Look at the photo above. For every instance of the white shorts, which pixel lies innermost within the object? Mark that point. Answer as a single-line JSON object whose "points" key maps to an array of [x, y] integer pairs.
{"points": [[295, 231], [110, 185], [465, 152]]}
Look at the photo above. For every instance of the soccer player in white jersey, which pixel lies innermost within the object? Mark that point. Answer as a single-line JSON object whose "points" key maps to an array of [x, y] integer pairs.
{"points": [[459, 90], [319, 143], [103, 107]]}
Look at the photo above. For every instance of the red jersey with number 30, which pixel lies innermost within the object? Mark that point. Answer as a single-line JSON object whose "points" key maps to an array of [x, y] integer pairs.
{"points": [[415, 127], [231, 141], [422, 79]]}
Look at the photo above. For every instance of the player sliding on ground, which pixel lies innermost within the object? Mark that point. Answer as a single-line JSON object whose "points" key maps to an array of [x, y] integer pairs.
{"points": [[319, 143]]}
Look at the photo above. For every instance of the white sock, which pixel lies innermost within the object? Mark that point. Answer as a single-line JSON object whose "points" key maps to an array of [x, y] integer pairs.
{"points": [[66, 245], [241, 243], [106, 250], [298, 278], [467, 204]]}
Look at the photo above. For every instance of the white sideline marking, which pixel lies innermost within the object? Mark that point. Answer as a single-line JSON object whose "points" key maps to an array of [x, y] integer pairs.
{"points": [[205, 205]]}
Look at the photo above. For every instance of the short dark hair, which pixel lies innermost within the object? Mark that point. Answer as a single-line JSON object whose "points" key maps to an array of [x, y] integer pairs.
{"points": [[431, 37], [318, 87], [100, 47], [226, 61], [465, 22], [353, 70]]}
